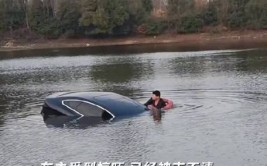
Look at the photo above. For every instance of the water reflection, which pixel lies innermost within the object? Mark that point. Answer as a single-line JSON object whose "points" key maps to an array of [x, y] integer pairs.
{"points": [[131, 49], [120, 74], [113, 73], [73, 122], [156, 114]]}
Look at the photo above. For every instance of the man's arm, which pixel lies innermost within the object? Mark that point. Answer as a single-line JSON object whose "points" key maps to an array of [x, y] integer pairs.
{"points": [[149, 102]]}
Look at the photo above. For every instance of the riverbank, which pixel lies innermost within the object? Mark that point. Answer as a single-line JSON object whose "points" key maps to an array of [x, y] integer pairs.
{"points": [[232, 37]]}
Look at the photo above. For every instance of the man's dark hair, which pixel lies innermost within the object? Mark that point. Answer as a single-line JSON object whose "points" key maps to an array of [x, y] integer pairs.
{"points": [[157, 93]]}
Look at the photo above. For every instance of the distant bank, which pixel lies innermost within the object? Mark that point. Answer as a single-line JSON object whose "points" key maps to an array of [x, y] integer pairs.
{"points": [[231, 37]]}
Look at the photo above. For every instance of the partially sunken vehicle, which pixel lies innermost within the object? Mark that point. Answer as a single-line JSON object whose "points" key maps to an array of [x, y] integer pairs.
{"points": [[105, 105]]}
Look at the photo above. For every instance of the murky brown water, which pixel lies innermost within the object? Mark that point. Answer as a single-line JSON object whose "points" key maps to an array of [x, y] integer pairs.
{"points": [[219, 115]]}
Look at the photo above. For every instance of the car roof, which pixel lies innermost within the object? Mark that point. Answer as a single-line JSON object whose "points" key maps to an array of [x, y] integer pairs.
{"points": [[113, 102], [83, 95]]}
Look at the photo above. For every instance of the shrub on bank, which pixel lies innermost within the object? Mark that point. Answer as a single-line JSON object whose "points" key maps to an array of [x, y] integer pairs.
{"points": [[190, 24], [154, 27]]}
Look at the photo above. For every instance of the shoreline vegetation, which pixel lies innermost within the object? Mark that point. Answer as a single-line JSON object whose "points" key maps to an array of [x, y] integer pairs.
{"points": [[34, 24], [231, 37]]}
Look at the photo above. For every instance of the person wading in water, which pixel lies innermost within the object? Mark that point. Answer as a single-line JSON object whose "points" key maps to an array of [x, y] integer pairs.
{"points": [[156, 101]]}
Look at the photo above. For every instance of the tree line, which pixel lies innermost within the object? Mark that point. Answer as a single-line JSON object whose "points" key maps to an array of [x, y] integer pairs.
{"points": [[185, 17], [102, 18]]}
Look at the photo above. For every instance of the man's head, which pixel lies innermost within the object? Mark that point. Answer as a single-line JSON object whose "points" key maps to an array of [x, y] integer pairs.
{"points": [[156, 95]]}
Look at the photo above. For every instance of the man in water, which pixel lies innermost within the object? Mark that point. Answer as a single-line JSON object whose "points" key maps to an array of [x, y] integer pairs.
{"points": [[156, 101]]}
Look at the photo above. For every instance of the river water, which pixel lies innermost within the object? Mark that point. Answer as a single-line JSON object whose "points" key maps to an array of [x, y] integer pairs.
{"points": [[220, 109]]}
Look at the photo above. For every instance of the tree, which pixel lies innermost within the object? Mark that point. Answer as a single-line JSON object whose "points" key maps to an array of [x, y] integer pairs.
{"points": [[24, 6], [68, 14], [223, 9], [137, 12], [256, 13], [102, 17], [11, 14], [119, 14], [179, 12], [236, 13], [88, 9], [36, 14], [2, 16], [42, 20], [148, 6], [180, 7], [101, 22], [210, 14]]}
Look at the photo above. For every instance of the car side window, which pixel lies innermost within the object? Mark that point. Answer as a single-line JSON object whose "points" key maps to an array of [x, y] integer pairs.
{"points": [[85, 108], [89, 110], [72, 104]]}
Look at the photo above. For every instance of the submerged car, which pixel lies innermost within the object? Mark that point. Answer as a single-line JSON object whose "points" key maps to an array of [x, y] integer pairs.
{"points": [[105, 105]]}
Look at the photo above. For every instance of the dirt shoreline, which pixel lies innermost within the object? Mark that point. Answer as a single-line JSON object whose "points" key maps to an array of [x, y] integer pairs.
{"points": [[177, 39]]}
